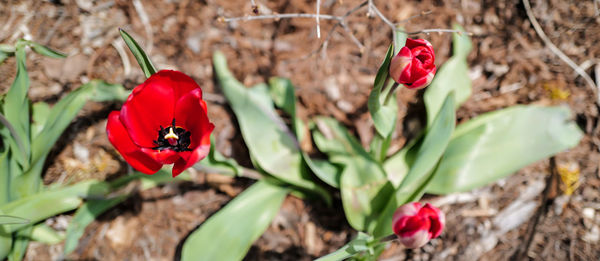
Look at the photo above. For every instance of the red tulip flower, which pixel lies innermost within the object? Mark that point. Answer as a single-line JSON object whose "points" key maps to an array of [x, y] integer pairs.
{"points": [[414, 65], [415, 225], [163, 121]]}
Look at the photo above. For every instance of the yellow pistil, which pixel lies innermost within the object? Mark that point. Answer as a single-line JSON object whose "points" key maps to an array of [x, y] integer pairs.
{"points": [[171, 135]]}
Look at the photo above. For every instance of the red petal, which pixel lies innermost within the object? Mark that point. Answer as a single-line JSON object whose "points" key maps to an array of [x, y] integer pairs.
{"points": [[118, 136], [152, 104], [163, 156], [191, 114]]}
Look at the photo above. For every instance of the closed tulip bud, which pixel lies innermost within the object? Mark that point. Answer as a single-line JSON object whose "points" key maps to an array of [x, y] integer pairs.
{"points": [[415, 225], [414, 65]]}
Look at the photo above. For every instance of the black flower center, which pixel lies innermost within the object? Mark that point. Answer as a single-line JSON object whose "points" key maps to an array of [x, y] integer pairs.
{"points": [[174, 138]]}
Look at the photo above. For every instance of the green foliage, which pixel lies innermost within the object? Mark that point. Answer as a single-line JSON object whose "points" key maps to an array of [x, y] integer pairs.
{"points": [[497, 144], [427, 155], [28, 133], [356, 246], [139, 54], [363, 183], [272, 145], [229, 233], [452, 76]]}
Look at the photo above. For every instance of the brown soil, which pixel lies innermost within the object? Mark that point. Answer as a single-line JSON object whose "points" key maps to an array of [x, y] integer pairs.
{"points": [[509, 65]]}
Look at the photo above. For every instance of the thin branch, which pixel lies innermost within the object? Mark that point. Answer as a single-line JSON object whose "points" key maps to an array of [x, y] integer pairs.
{"points": [[318, 20], [424, 13], [281, 16], [436, 30], [383, 18], [558, 52]]}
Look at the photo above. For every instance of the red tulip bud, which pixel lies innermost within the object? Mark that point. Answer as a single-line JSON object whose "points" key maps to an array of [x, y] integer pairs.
{"points": [[415, 225], [414, 65]]}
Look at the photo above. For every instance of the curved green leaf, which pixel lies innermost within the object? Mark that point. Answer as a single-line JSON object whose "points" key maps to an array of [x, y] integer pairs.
{"points": [[270, 142], [452, 76], [7, 219], [497, 144], [236, 226], [426, 159], [358, 245], [363, 183], [43, 50], [383, 111], [139, 54]]}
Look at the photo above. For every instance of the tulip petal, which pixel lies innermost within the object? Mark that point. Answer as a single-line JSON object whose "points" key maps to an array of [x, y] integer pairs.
{"points": [[191, 114], [118, 136], [152, 104], [166, 156]]}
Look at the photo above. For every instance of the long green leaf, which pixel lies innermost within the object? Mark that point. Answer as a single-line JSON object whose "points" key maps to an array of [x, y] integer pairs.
{"points": [[16, 107], [236, 226], [43, 50], [269, 141], [497, 144], [452, 76], [358, 245], [44, 234], [426, 159], [7, 219], [139, 54], [384, 113], [363, 183], [46, 204], [216, 162]]}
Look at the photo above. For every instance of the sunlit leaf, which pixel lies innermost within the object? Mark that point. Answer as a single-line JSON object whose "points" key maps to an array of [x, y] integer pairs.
{"points": [[384, 112], [428, 154], [452, 76], [357, 245], [16, 107], [139, 54], [497, 144], [46, 204], [269, 141], [363, 183], [236, 226], [47, 235], [43, 50], [6, 219]]}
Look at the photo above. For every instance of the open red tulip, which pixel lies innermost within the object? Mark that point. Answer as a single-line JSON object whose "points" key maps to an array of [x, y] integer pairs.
{"points": [[163, 121]]}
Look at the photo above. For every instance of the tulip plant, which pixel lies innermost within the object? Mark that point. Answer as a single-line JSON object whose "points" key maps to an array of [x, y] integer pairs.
{"points": [[28, 132], [164, 121]]}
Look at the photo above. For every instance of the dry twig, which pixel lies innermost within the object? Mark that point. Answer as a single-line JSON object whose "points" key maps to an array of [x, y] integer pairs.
{"points": [[558, 52]]}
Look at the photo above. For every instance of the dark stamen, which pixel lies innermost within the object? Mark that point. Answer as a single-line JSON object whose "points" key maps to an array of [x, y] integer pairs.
{"points": [[181, 144]]}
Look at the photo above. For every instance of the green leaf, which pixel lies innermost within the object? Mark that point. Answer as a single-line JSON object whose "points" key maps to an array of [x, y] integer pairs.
{"points": [[399, 40], [20, 243], [325, 170], [428, 154], [6, 219], [43, 50], [363, 183], [216, 162], [85, 215], [452, 76], [40, 112], [358, 245], [16, 107], [46, 204], [236, 226], [497, 144], [139, 54], [47, 235], [383, 111], [269, 141]]}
